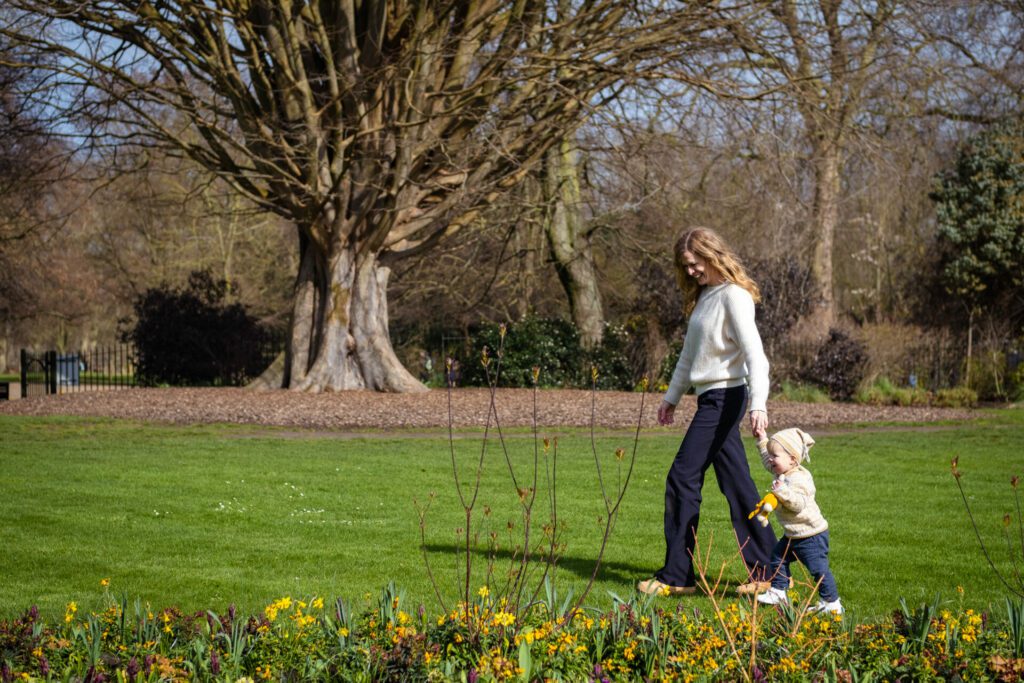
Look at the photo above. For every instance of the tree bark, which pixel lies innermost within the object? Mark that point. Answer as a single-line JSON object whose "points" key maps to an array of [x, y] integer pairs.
{"points": [[570, 243], [826, 217], [339, 333]]}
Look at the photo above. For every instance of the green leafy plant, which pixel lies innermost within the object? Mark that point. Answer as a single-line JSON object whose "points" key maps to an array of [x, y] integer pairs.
{"points": [[882, 392], [802, 393], [956, 397]]}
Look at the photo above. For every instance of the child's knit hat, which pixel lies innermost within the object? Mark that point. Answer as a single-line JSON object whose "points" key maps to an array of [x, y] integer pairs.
{"points": [[794, 441]]}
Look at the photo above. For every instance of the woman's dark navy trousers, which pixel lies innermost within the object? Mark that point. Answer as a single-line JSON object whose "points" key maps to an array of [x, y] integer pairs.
{"points": [[713, 440]]}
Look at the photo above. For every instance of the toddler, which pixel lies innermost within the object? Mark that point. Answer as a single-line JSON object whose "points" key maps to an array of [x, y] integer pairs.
{"points": [[805, 535]]}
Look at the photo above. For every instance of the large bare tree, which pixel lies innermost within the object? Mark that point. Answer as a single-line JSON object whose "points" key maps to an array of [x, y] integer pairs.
{"points": [[851, 69], [826, 60], [31, 171], [376, 127]]}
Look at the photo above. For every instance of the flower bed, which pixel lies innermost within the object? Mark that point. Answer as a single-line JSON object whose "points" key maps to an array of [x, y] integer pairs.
{"points": [[638, 639]]}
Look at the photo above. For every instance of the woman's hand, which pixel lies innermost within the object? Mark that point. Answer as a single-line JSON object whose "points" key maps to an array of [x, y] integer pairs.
{"points": [[758, 423], [666, 412]]}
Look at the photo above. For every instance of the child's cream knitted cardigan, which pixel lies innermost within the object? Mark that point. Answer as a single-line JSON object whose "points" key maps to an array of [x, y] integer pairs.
{"points": [[798, 512]]}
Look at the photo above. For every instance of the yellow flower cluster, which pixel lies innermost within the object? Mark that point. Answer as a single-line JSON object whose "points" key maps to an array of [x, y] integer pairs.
{"points": [[702, 646], [272, 609], [400, 629], [785, 665], [947, 628], [737, 622], [501, 668], [586, 622], [563, 642], [298, 616], [535, 634], [503, 618], [165, 617]]}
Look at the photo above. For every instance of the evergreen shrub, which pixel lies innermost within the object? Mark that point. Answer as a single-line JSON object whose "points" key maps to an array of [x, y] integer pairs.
{"points": [[553, 346], [839, 365], [191, 336]]}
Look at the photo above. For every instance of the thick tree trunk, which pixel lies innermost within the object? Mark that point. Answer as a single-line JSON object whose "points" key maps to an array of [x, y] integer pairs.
{"points": [[570, 244], [301, 339], [826, 219], [339, 331]]}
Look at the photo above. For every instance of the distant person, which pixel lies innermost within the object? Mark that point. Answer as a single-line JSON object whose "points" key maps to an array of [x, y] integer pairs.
{"points": [[723, 360], [454, 372], [427, 364], [805, 536]]}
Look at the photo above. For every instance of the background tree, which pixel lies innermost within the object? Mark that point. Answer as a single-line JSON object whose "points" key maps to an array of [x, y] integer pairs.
{"points": [[831, 61], [979, 203], [375, 127], [171, 218], [31, 172], [569, 238]]}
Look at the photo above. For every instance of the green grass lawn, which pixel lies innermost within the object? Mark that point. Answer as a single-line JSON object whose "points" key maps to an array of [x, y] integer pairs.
{"points": [[203, 517]]}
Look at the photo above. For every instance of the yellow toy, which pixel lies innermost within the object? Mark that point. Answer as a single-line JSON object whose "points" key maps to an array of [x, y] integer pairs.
{"points": [[764, 508]]}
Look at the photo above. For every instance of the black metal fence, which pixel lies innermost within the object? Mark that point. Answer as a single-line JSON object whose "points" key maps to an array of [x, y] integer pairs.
{"points": [[102, 368]]}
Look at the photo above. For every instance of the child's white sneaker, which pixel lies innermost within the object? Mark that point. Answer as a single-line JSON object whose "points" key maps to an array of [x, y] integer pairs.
{"points": [[773, 596], [832, 607]]}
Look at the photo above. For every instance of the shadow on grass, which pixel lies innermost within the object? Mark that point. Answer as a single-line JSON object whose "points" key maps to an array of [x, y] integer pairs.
{"points": [[583, 567]]}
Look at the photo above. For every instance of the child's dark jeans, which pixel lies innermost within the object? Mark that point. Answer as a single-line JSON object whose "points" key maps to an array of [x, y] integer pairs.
{"points": [[813, 553]]}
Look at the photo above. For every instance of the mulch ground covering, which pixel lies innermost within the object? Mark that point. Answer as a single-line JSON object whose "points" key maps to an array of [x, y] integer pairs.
{"points": [[353, 410]]}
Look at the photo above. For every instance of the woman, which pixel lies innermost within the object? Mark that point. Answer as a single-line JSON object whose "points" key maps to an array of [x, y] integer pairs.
{"points": [[722, 359]]}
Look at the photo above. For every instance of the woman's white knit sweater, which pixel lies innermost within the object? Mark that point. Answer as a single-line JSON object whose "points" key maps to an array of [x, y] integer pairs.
{"points": [[722, 347]]}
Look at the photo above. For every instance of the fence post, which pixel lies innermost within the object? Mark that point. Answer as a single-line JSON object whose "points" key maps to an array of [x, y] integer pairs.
{"points": [[24, 373], [51, 372]]}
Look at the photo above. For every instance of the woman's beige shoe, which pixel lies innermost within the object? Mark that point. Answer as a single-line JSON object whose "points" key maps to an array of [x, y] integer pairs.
{"points": [[656, 587], [756, 587], [753, 587]]}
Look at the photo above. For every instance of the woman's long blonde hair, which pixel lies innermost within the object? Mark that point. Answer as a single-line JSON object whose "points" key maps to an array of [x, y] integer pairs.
{"points": [[709, 245]]}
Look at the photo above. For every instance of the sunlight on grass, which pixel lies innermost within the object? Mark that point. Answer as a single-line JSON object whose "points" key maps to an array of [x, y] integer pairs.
{"points": [[205, 516]]}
